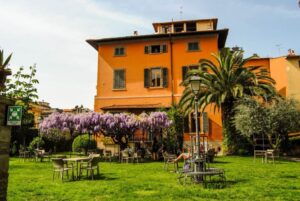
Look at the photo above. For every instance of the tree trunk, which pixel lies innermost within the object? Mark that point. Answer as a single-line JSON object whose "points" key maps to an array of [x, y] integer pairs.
{"points": [[234, 142], [5, 134]]}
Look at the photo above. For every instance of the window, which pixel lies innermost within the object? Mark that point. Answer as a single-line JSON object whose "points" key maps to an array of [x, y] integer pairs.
{"points": [[155, 49], [264, 71], [119, 51], [155, 77], [185, 70], [191, 26], [178, 27], [193, 46], [119, 79], [166, 29]]}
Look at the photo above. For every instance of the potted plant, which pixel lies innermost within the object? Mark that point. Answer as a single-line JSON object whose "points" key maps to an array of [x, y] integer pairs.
{"points": [[4, 70]]}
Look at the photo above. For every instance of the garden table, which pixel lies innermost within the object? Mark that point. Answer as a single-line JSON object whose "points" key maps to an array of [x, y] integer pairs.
{"points": [[76, 160]]}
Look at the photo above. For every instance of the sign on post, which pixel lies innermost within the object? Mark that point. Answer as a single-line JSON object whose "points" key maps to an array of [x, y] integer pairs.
{"points": [[14, 115]]}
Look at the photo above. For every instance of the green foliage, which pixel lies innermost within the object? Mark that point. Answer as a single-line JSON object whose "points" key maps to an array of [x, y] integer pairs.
{"points": [[225, 80], [274, 120], [54, 135], [37, 142], [251, 117], [4, 62], [4, 70], [83, 142], [173, 136], [22, 87]]}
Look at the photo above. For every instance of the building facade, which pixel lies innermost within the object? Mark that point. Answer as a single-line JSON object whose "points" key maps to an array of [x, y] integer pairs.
{"points": [[143, 72]]}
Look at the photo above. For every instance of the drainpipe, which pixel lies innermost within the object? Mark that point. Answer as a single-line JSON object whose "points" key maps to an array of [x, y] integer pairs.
{"points": [[171, 66]]}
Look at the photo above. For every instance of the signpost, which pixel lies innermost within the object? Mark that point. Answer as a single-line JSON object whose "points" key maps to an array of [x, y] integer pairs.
{"points": [[14, 116]]}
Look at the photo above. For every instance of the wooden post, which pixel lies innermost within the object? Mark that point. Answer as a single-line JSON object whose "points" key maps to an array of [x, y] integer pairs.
{"points": [[5, 135]]}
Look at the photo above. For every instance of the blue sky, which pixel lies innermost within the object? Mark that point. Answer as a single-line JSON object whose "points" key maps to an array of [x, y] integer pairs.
{"points": [[52, 34]]}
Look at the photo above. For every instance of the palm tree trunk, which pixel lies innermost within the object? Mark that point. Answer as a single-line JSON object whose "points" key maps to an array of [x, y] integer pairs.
{"points": [[234, 142], [5, 134], [229, 132]]}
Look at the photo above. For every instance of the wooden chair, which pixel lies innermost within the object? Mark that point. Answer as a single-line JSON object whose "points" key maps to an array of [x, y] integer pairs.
{"points": [[61, 167], [90, 166]]}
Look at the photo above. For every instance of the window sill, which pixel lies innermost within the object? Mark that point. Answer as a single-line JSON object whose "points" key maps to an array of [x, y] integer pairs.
{"points": [[124, 55], [123, 89], [157, 87], [193, 50]]}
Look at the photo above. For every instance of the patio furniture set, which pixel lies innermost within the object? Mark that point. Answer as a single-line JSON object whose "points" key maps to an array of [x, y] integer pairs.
{"points": [[63, 165], [265, 155]]}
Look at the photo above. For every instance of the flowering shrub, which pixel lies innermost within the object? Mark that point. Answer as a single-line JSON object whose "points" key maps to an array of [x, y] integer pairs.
{"points": [[118, 126]]}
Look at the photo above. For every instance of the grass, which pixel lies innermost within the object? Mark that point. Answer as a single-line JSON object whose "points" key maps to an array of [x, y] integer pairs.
{"points": [[246, 180]]}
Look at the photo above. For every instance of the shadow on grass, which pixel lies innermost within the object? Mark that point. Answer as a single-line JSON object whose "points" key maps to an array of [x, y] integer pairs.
{"points": [[96, 177], [220, 162], [234, 182]]}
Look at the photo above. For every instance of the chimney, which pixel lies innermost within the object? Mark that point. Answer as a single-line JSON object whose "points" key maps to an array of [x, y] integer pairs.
{"points": [[135, 33], [291, 52]]}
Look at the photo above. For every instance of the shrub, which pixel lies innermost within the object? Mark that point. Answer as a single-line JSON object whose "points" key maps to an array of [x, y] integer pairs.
{"points": [[83, 142], [36, 143]]}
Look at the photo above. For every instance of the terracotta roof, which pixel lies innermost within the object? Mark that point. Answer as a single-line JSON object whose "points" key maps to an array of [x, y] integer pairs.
{"points": [[293, 57], [136, 106], [221, 39]]}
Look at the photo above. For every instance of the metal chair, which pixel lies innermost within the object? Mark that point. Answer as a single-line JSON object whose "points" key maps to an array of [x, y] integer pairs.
{"points": [[90, 166], [170, 159], [61, 167], [126, 157]]}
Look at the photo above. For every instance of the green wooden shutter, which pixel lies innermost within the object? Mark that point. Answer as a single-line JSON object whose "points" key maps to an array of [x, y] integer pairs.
{"points": [[163, 48], [165, 77], [146, 78], [116, 79], [146, 49], [184, 72], [122, 79]]}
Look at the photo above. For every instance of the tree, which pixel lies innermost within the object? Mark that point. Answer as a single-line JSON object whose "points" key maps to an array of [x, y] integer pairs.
{"points": [[22, 89], [274, 120], [4, 70], [120, 126], [173, 135], [225, 80]]}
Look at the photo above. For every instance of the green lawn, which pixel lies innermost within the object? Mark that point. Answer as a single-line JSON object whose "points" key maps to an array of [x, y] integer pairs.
{"points": [[246, 180]]}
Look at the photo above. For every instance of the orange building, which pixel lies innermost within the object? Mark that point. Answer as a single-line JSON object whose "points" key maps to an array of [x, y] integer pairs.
{"points": [[143, 72]]}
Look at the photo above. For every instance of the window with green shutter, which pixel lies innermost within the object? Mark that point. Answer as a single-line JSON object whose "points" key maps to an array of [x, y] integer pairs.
{"points": [[119, 51], [185, 70], [155, 49], [193, 46], [156, 77], [119, 79]]}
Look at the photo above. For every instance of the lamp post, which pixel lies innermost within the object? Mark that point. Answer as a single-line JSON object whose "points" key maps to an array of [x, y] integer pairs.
{"points": [[195, 83]]}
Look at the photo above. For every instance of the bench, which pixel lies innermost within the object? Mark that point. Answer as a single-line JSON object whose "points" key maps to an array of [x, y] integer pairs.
{"points": [[205, 174]]}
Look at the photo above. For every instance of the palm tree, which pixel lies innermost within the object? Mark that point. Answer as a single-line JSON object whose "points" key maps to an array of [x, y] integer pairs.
{"points": [[223, 82], [4, 71]]}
